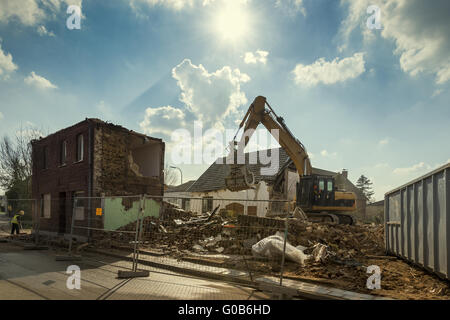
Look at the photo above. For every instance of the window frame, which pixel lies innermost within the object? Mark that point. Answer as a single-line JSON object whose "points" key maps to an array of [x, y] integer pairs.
{"points": [[44, 209], [207, 202], [78, 209], [321, 185], [45, 157], [63, 153], [79, 147], [330, 183]]}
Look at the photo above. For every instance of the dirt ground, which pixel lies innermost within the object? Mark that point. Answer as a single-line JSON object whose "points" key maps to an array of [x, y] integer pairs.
{"points": [[351, 249]]}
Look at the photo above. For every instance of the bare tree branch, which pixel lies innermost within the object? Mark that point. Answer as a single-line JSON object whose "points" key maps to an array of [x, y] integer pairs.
{"points": [[16, 158]]}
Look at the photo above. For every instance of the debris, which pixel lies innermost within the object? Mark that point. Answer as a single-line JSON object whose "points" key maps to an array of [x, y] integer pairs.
{"points": [[299, 214], [272, 247], [320, 252], [213, 213], [199, 248], [220, 249]]}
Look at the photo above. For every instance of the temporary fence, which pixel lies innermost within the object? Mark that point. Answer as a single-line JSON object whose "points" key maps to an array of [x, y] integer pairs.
{"points": [[109, 225], [232, 239]]}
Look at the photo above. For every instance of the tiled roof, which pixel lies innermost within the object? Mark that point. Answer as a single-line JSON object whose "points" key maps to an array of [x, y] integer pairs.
{"points": [[180, 188], [214, 177]]}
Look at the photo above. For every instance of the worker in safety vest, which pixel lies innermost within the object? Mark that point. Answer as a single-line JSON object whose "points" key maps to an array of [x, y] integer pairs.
{"points": [[15, 222]]}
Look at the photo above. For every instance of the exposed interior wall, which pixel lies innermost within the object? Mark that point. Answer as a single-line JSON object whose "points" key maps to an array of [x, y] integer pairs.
{"points": [[126, 163], [147, 157], [116, 215]]}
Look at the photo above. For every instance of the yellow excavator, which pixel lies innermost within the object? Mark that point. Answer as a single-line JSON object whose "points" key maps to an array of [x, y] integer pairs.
{"points": [[316, 195]]}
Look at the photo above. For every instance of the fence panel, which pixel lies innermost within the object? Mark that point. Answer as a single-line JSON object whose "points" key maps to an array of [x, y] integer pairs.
{"points": [[214, 236]]}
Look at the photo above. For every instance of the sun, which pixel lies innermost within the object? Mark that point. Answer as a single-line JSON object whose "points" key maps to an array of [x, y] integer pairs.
{"points": [[232, 21]]}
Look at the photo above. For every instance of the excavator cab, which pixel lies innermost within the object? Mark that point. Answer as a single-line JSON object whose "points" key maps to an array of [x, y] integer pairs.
{"points": [[315, 191], [318, 195]]}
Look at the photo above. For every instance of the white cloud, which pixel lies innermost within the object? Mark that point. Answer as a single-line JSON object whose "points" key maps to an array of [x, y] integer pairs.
{"points": [[414, 168], [7, 66], [42, 30], [384, 142], [32, 12], [437, 92], [171, 4], [39, 82], [418, 29], [162, 120], [332, 72], [291, 6], [254, 58], [210, 96], [326, 154], [105, 110]]}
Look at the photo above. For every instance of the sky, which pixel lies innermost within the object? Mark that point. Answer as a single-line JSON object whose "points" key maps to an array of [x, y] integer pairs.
{"points": [[363, 90]]}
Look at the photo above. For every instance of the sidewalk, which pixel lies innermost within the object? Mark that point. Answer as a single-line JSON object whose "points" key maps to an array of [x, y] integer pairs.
{"points": [[307, 290]]}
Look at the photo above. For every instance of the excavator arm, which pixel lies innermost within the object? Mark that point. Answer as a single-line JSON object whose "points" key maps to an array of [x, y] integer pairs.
{"points": [[261, 112]]}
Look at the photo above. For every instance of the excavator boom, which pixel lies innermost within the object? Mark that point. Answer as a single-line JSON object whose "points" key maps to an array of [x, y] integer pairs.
{"points": [[316, 195], [239, 177]]}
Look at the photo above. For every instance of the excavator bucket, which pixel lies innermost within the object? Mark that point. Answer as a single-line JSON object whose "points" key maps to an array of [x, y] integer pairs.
{"points": [[239, 178]]}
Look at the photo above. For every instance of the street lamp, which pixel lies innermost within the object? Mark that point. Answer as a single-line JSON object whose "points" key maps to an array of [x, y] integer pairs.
{"points": [[181, 173]]}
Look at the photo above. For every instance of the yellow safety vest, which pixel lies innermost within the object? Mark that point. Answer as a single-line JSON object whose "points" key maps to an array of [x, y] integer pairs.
{"points": [[14, 219]]}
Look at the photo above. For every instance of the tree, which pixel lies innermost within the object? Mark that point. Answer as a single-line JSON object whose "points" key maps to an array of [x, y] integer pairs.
{"points": [[16, 162], [365, 185]]}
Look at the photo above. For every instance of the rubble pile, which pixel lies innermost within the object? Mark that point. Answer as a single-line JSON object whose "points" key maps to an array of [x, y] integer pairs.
{"points": [[342, 241], [171, 211]]}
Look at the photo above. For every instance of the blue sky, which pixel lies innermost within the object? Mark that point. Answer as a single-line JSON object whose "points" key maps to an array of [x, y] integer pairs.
{"points": [[375, 102]]}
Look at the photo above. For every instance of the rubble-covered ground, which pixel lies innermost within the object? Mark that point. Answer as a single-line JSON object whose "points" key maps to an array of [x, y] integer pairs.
{"points": [[349, 251], [218, 240]]}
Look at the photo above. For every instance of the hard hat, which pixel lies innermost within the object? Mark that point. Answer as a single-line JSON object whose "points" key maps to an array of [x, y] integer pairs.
{"points": [[21, 212]]}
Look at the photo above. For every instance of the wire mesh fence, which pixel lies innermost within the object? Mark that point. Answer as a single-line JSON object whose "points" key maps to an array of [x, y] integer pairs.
{"points": [[218, 236]]}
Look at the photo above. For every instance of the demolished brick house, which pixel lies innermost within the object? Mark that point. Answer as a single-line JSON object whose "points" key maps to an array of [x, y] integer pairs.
{"points": [[91, 159], [210, 187]]}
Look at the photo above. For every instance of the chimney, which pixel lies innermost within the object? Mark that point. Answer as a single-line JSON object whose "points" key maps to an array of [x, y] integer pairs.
{"points": [[345, 173]]}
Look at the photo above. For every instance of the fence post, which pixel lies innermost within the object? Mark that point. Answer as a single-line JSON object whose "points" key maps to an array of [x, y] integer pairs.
{"points": [[284, 251], [136, 238], [7, 208], [72, 227], [140, 222], [36, 231]]}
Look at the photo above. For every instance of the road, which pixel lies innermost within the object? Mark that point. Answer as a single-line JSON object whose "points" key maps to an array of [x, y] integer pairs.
{"points": [[36, 275]]}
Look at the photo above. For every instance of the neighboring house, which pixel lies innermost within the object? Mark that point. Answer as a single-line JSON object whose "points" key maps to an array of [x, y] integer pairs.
{"points": [[282, 185], [375, 212], [92, 159]]}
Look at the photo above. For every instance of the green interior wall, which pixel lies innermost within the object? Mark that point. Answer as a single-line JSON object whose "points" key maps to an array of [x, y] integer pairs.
{"points": [[116, 216]]}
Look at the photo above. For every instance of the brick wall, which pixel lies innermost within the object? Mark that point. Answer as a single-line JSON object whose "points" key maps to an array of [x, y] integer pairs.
{"points": [[59, 179], [111, 171], [113, 175]]}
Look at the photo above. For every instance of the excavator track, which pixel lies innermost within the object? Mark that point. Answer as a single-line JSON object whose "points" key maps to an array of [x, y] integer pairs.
{"points": [[337, 218]]}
